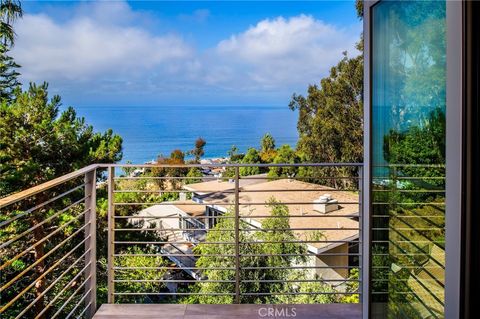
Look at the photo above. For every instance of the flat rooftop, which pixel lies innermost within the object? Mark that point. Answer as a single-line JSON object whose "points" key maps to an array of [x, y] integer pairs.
{"points": [[299, 196], [224, 185]]}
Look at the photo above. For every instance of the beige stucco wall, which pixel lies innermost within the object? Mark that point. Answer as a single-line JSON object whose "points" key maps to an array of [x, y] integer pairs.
{"points": [[324, 260]]}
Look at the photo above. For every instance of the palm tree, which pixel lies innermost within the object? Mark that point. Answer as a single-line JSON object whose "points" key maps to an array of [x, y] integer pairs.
{"points": [[10, 11]]}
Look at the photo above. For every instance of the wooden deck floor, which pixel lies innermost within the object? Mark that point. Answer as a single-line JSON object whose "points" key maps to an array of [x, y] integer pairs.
{"points": [[176, 311]]}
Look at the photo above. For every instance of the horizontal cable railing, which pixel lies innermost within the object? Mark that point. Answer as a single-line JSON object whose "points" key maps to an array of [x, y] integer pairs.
{"points": [[48, 249], [197, 233], [250, 234], [408, 238]]}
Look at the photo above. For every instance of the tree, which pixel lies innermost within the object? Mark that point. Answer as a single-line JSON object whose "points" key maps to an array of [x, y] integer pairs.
{"points": [[267, 152], [235, 156], [198, 151], [251, 157], [331, 118], [285, 154], [310, 292], [420, 145], [195, 176], [8, 74], [128, 170], [267, 143], [278, 255], [39, 143], [149, 281], [359, 8], [330, 121], [177, 157], [233, 151], [10, 11]]}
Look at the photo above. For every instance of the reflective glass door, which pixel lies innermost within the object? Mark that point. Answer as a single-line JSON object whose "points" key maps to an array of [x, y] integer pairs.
{"points": [[408, 102]]}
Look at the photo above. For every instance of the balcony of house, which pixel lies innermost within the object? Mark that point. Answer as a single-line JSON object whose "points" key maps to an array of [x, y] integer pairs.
{"points": [[189, 241]]}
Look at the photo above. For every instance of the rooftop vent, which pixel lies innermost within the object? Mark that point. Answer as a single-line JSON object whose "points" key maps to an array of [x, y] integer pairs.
{"points": [[325, 204]]}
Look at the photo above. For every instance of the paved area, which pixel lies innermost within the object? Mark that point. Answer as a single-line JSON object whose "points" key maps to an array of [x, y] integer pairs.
{"points": [[176, 311]]}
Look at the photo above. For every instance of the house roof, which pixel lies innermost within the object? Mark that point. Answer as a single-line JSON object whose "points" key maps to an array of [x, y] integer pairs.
{"points": [[299, 197], [173, 208], [222, 185]]}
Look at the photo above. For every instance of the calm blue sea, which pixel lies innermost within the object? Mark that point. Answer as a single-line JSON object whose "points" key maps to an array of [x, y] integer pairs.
{"points": [[150, 131]]}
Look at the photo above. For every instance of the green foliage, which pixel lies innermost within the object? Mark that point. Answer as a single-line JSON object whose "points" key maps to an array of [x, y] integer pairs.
{"points": [[18, 265], [285, 154], [235, 156], [267, 143], [151, 277], [10, 11], [128, 170], [257, 251], [267, 150], [359, 8], [251, 157], [194, 172], [37, 143], [352, 287], [211, 262], [8, 74], [310, 293], [277, 228], [330, 122], [268, 156], [316, 235], [155, 195], [419, 145], [233, 151]]}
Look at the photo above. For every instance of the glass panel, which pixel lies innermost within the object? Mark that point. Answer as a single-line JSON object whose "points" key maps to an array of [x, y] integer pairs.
{"points": [[408, 159]]}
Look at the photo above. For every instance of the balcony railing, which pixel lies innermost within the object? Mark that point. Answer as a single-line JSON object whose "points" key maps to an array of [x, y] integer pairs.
{"points": [[213, 233]]}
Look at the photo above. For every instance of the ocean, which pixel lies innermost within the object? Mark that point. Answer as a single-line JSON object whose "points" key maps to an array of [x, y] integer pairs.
{"points": [[150, 131]]}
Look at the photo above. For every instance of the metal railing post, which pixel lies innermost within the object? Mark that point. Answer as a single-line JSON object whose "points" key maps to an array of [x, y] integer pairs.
{"points": [[365, 226], [360, 234], [91, 243], [237, 235], [111, 235]]}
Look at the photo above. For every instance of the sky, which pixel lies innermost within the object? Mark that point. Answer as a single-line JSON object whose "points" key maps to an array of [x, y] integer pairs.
{"points": [[162, 53]]}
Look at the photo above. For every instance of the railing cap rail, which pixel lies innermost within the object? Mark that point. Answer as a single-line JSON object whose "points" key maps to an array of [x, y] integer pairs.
{"points": [[234, 165], [16, 197]]}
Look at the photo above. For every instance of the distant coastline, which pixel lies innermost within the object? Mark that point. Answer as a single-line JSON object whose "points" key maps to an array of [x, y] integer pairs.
{"points": [[148, 132]]}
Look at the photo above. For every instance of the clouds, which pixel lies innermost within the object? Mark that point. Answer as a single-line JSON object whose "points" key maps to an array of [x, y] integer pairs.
{"points": [[280, 37], [107, 48], [287, 51], [86, 47]]}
